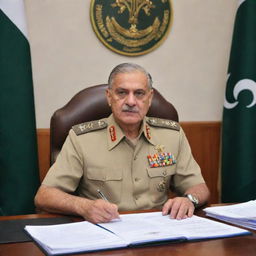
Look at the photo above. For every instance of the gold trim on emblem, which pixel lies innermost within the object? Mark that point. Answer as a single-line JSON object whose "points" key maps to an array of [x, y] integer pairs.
{"points": [[118, 26]]}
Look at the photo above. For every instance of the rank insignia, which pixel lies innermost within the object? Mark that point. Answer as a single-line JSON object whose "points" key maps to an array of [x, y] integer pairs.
{"points": [[161, 159], [148, 132], [86, 127], [164, 123], [112, 132]]}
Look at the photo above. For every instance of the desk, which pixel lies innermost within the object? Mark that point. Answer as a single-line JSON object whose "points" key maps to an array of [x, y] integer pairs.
{"points": [[235, 246]]}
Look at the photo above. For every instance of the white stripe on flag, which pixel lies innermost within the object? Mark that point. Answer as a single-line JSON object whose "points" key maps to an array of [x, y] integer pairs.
{"points": [[15, 11], [240, 2]]}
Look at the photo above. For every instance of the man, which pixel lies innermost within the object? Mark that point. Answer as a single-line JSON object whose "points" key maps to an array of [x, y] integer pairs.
{"points": [[129, 158]]}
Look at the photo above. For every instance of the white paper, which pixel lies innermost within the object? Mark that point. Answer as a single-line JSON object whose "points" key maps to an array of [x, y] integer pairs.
{"points": [[131, 229], [242, 210], [243, 214], [74, 237], [145, 227]]}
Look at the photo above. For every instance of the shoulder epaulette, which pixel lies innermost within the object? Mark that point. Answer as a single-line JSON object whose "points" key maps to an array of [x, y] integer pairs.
{"points": [[89, 127], [165, 123]]}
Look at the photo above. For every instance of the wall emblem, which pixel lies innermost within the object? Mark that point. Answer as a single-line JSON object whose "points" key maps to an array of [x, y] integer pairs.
{"points": [[131, 27]]}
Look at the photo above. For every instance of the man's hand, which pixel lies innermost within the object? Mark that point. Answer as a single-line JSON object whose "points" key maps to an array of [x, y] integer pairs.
{"points": [[182, 207], [98, 211], [178, 208], [52, 199]]}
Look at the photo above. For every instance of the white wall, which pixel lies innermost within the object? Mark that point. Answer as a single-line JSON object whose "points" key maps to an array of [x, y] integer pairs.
{"points": [[189, 68]]}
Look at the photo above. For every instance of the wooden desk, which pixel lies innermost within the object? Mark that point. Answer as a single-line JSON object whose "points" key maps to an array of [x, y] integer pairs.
{"points": [[235, 246]]}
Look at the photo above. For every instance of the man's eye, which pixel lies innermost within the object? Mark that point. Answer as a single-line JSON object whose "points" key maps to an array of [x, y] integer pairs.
{"points": [[139, 94], [121, 93]]}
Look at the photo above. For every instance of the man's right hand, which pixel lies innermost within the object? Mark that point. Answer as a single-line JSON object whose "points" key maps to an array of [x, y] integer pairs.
{"points": [[52, 199], [99, 211]]}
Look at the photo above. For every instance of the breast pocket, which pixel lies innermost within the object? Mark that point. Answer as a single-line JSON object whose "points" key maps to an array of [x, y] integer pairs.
{"points": [[159, 182], [109, 181]]}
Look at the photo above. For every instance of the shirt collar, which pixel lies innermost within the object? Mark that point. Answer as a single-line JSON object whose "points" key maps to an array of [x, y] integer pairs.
{"points": [[115, 133]]}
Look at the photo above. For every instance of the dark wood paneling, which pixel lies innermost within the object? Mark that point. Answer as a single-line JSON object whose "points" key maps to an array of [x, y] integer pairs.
{"points": [[43, 141], [204, 139]]}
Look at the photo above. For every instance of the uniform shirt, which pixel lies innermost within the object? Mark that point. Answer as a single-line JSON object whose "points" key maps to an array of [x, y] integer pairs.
{"points": [[97, 155]]}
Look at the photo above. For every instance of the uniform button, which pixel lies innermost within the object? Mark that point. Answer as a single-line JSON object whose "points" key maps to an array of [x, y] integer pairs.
{"points": [[137, 179], [135, 158]]}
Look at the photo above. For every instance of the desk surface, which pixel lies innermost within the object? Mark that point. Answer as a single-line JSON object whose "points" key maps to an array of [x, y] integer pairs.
{"points": [[235, 246]]}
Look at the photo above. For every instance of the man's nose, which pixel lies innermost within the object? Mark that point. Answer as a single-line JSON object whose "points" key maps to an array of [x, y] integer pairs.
{"points": [[131, 100]]}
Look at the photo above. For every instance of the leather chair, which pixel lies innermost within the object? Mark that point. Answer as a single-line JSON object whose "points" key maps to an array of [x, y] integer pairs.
{"points": [[91, 104]]}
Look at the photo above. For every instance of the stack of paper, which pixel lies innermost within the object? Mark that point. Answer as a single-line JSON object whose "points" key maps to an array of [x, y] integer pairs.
{"points": [[131, 230], [243, 214]]}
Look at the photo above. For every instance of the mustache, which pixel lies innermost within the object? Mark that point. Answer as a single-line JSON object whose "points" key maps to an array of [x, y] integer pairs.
{"points": [[127, 108]]}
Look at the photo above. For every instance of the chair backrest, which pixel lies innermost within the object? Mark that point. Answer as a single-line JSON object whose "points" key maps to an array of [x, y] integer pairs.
{"points": [[91, 104]]}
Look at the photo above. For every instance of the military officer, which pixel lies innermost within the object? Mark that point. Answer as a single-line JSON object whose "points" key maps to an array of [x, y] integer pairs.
{"points": [[129, 159]]}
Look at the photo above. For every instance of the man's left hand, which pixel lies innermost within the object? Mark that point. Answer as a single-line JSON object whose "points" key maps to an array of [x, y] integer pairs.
{"points": [[178, 208]]}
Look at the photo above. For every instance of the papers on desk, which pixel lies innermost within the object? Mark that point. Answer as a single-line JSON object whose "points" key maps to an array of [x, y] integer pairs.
{"points": [[131, 230], [73, 237], [243, 214]]}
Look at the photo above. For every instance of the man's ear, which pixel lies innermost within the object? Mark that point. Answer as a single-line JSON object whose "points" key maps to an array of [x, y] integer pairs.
{"points": [[108, 96]]}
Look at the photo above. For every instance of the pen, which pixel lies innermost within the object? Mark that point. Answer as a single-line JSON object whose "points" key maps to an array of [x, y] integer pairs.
{"points": [[102, 195], [117, 218]]}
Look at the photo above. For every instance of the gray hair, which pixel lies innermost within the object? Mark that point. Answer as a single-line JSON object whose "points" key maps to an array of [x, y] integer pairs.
{"points": [[128, 68]]}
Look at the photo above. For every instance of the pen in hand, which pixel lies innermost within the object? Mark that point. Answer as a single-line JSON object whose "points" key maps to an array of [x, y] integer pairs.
{"points": [[116, 218], [102, 195]]}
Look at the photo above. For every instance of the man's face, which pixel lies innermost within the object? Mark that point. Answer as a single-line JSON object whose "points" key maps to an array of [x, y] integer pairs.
{"points": [[130, 97]]}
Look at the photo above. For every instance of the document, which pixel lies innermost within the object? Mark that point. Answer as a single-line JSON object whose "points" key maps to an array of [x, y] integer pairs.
{"points": [[128, 231], [142, 228], [242, 214], [73, 238]]}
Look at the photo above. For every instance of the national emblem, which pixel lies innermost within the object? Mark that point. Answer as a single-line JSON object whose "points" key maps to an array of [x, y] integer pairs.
{"points": [[131, 27]]}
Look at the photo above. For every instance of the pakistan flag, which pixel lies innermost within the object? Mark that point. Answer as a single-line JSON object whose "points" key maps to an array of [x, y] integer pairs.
{"points": [[19, 175], [239, 116]]}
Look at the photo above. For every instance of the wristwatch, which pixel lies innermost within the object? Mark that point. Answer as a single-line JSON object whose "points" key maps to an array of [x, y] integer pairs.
{"points": [[193, 199]]}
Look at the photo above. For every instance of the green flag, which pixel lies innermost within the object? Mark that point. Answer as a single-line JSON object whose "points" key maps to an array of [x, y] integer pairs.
{"points": [[239, 116], [19, 175]]}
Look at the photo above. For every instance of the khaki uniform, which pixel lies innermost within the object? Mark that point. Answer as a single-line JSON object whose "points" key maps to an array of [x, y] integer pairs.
{"points": [[97, 155]]}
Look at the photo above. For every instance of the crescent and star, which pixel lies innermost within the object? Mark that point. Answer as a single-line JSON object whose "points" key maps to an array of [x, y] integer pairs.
{"points": [[244, 84]]}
